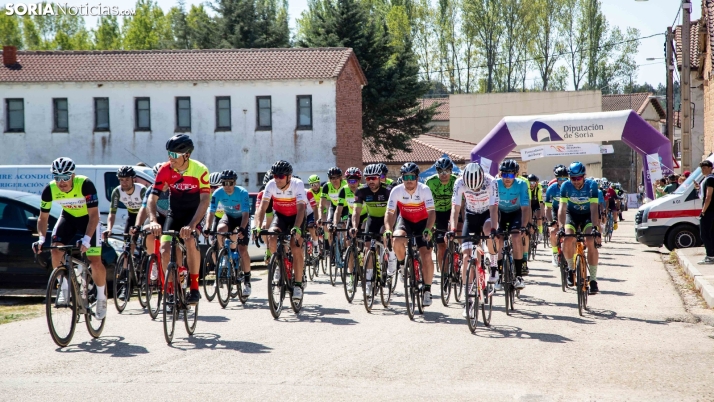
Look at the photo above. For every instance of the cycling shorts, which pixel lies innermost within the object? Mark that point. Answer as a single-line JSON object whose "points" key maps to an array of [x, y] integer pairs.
{"points": [[535, 206], [374, 225], [474, 225], [412, 228], [362, 218], [612, 204], [442, 224], [233, 224], [130, 221], [284, 223], [577, 222], [70, 229], [176, 220], [510, 220], [310, 220]]}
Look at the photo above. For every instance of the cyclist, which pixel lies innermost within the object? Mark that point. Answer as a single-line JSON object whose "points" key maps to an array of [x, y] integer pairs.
{"points": [[162, 209], [330, 195], [552, 201], [536, 195], [612, 201], [480, 193], [236, 218], [601, 205], [442, 189], [215, 182], [514, 209], [268, 212], [189, 196], [383, 172], [314, 192], [579, 210], [80, 216], [289, 206], [620, 200], [415, 204], [346, 202]]}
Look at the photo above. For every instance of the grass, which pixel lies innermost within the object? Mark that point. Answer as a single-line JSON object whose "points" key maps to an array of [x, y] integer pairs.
{"points": [[17, 312]]}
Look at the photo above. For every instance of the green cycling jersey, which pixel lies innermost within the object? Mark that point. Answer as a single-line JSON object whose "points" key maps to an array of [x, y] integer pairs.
{"points": [[441, 192]]}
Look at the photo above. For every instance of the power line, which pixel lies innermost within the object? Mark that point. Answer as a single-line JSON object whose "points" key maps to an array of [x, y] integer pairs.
{"points": [[677, 16]]}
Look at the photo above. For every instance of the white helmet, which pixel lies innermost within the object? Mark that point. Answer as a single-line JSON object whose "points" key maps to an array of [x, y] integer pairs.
{"points": [[62, 166], [157, 167], [473, 176], [215, 179]]}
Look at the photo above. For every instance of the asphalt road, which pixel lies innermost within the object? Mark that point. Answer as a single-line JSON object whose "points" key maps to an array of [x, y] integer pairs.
{"points": [[637, 342]]}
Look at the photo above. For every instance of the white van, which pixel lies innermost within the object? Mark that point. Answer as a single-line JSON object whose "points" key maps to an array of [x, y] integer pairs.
{"points": [[672, 220], [34, 178]]}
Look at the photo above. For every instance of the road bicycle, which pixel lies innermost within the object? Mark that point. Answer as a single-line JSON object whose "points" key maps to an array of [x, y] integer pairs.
{"points": [[209, 269], [508, 279], [413, 275], [281, 274], [154, 279], [451, 271], [350, 280], [336, 264], [130, 274], [376, 260], [478, 290], [229, 272], [313, 254], [71, 293], [582, 284], [609, 226], [176, 291]]}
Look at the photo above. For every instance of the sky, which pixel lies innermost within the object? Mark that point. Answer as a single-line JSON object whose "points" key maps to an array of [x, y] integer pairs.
{"points": [[650, 17]]}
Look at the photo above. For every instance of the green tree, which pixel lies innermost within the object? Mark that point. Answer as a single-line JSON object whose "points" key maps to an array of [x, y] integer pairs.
{"points": [[598, 48], [575, 25], [10, 32], [548, 39], [201, 29], [148, 28], [423, 34], [179, 26], [252, 23], [107, 36], [483, 20], [517, 39]]}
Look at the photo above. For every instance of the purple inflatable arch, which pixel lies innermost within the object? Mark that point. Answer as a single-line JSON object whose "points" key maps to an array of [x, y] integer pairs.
{"points": [[571, 128]]}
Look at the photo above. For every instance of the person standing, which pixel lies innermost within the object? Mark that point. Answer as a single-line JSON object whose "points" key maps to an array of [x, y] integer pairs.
{"points": [[706, 218], [672, 186]]}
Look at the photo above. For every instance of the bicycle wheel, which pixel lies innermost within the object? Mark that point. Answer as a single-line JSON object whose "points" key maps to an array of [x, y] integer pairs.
{"points": [[325, 256], [448, 268], [95, 326], [534, 247], [332, 266], [385, 284], [296, 305], [419, 283], [223, 277], [580, 269], [122, 281], [153, 287], [170, 307], [370, 263], [563, 266], [61, 306], [141, 280], [395, 278], [350, 280], [409, 288], [276, 287], [239, 284], [507, 282], [308, 260], [457, 281], [472, 297], [487, 304], [190, 318], [209, 274]]}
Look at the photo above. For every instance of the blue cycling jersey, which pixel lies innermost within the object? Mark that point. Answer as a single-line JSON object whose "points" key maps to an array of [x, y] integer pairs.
{"points": [[579, 201], [234, 205], [162, 204], [600, 197], [513, 198], [552, 196]]}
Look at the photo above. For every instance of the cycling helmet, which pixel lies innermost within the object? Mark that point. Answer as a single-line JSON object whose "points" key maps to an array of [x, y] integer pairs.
{"points": [[62, 166], [228, 175], [297, 177], [157, 167], [353, 172], [334, 171], [313, 179], [560, 171], [509, 165], [383, 169], [409, 168], [215, 179], [399, 180], [372, 170], [180, 143], [126, 171], [282, 167], [576, 169], [473, 176], [268, 177], [532, 177], [444, 163]]}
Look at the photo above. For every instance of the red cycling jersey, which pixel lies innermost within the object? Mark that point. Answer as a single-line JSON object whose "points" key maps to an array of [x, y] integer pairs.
{"points": [[412, 207], [285, 200], [185, 188]]}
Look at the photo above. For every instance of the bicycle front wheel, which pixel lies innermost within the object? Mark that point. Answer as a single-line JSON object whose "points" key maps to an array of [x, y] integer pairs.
{"points": [[370, 264], [563, 266], [190, 318], [141, 280], [447, 268], [276, 287], [509, 290], [223, 278], [95, 326], [122, 282], [153, 286], [409, 288], [350, 280], [472, 297], [209, 274], [385, 285], [61, 306], [581, 283], [170, 303]]}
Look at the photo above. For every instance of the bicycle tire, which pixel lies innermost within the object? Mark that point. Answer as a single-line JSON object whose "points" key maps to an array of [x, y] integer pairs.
{"points": [[471, 299], [385, 285], [369, 262], [307, 260], [224, 269], [239, 285], [419, 291], [65, 314], [121, 277], [141, 280], [235, 281], [209, 274], [445, 285], [333, 264], [487, 305], [457, 281], [409, 288], [275, 300], [170, 307], [350, 289], [324, 256], [95, 326], [296, 305], [581, 286], [190, 318], [507, 282], [563, 267], [153, 287]]}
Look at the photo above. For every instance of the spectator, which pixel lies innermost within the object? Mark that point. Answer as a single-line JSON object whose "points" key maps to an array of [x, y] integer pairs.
{"points": [[659, 188], [672, 186], [641, 194], [681, 180], [686, 174], [706, 218]]}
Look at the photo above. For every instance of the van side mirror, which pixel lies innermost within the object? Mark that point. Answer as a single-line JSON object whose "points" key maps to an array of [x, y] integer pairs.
{"points": [[32, 224]]}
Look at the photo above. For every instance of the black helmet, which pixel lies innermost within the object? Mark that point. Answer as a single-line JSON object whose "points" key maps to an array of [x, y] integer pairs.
{"points": [[126, 171], [444, 163], [268, 177], [409, 168], [228, 175], [532, 177], [383, 169], [560, 171], [509, 165], [282, 167], [180, 143], [334, 171], [372, 170]]}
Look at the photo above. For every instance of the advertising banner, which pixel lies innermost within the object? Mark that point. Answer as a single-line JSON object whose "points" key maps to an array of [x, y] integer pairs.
{"points": [[654, 167], [561, 149]]}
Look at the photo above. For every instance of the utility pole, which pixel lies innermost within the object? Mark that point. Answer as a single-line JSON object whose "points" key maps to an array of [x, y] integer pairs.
{"points": [[670, 85], [686, 89]]}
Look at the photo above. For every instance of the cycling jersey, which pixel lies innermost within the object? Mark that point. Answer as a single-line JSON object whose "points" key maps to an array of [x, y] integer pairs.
{"points": [[600, 197], [311, 204], [185, 188], [441, 192], [578, 201], [131, 202], [285, 200], [234, 205], [332, 192], [375, 203], [513, 198], [76, 201], [476, 201], [317, 195], [259, 198], [536, 194], [552, 197], [527, 183], [347, 199], [162, 204], [388, 182], [412, 207]]}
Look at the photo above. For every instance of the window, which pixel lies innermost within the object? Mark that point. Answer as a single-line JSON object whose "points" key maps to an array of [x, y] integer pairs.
{"points": [[264, 113], [15, 112], [101, 114], [61, 119], [183, 114], [223, 113], [142, 114], [304, 112], [13, 216]]}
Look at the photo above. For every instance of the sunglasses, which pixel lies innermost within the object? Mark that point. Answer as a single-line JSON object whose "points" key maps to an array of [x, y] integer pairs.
{"points": [[280, 176], [228, 183], [62, 177], [508, 175], [443, 171], [577, 178], [409, 177], [175, 155], [562, 179], [372, 178], [352, 181]]}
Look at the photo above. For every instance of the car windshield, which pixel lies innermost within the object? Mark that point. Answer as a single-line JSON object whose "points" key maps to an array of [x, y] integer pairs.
{"points": [[684, 187], [35, 200]]}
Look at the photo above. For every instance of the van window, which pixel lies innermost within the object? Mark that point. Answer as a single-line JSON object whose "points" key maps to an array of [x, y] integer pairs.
{"points": [[695, 176], [111, 181]]}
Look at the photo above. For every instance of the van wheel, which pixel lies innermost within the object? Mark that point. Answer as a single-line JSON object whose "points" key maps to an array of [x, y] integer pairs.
{"points": [[683, 236]]}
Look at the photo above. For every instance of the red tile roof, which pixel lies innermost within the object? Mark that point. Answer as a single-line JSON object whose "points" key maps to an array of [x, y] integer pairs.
{"points": [[636, 101], [180, 65], [442, 111], [708, 15], [693, 44], [427, 149]]}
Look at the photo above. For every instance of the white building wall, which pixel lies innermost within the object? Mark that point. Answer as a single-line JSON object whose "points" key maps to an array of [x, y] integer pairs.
{"points": [[242, 149]]}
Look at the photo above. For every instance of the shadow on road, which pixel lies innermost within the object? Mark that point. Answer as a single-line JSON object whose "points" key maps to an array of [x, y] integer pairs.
{"points": [[214, 341], [600, 314], [212, 318], [110, 345], [508, 331], [317, 313]]}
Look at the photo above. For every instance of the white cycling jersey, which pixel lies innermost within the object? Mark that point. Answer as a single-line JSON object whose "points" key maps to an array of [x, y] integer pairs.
{"points": [[476, 201], [285, 200], [412, 207]]}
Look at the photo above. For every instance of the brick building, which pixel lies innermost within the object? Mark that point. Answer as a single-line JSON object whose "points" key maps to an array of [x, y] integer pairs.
{"points": [[706, 56]]}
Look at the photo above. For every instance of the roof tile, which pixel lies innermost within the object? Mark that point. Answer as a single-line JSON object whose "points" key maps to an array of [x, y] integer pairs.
{"points": [[427, 149], [442, 111], [693, 44], [635, 101]]}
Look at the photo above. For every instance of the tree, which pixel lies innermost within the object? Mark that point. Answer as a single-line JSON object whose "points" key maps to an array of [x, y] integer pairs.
{"points": [[201, 29], [391, 111], [107, 36], [252, 23], [597, 47], [483, 22], [517, 38], [423, 33], [576, 29], [179, 27], [148, 28], [10, 32], [548, 38]]}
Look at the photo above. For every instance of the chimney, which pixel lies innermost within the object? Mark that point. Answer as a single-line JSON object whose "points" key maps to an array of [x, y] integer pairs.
{"points": [[9, 55]]}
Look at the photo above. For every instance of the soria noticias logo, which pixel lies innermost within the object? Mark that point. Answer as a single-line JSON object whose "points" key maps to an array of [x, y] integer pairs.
{"points": [[84, 10]]}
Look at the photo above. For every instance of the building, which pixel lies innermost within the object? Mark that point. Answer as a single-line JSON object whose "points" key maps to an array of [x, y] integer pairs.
{"points": [[697, 58], [706, 46], [440, 122], [625, 165], [244, 108]]}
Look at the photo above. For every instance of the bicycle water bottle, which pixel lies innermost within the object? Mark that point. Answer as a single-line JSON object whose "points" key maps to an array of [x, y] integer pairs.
{"points": [[289, 266], [183, 277], [309, 247]]}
